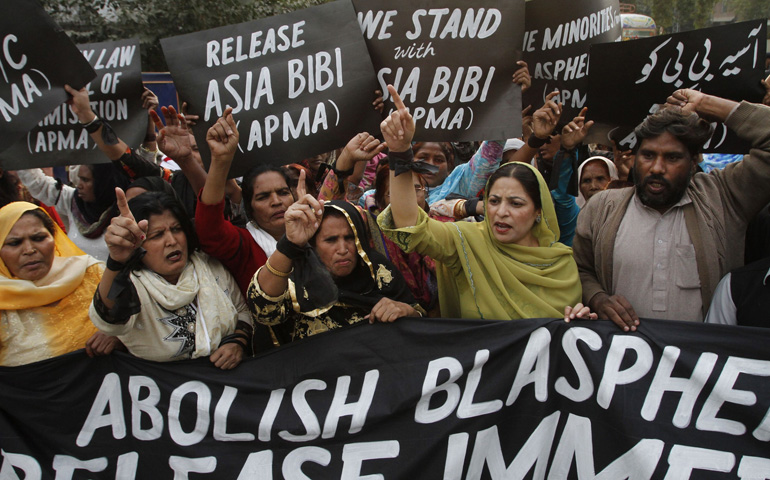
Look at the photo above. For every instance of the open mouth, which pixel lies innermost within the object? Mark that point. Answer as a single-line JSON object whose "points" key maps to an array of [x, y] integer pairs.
{"points": [[656, 186], [174, 256], [501, 227]]}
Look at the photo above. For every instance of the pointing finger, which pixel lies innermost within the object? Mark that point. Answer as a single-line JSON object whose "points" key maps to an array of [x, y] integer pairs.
{"points": [[301, 189], [551, 95], [120, 195], [396, 98]]}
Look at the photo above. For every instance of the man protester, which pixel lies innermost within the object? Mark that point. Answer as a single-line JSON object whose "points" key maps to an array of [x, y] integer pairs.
{"points": [[659, 249]]}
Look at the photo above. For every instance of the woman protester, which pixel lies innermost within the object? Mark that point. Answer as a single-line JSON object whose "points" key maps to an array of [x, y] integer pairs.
{"points": [[594, 175], [46, 285], [266, 197], [166, 301], [418, 270], [508, 267], [86, 209], [324, 274]]}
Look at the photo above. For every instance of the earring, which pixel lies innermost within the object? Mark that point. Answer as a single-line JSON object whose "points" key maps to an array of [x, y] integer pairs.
{"points": [[537, 219]]}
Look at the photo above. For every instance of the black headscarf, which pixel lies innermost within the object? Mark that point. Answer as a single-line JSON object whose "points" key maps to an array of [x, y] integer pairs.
{"points": [[373, 277], [96, 215]]}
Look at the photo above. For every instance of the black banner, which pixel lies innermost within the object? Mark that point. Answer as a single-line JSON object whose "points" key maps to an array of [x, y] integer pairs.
{"points": [[299, 84], [421, 398], [451, 62], [629, 80], [115, 96], [36, 60], [556, 47]]}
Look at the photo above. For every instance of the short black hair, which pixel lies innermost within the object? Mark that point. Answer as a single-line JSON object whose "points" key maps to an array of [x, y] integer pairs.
{"points": [[689, 129], [156, 203]]}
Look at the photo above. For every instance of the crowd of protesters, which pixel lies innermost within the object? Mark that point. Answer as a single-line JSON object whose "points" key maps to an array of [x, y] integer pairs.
{"points": [[153, 254]]}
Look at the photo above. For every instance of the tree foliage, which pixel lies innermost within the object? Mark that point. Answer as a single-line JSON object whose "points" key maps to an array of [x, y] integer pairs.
{"points": [[87, 21], [751, 9], [683, 15]]}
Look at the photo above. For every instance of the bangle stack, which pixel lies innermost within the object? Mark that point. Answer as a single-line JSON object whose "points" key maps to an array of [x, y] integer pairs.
{"points": [[459, 211]]}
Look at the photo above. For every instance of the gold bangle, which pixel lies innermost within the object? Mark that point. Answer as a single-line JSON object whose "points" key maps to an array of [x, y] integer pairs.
{"points": [[458, 214], [275, 272]]}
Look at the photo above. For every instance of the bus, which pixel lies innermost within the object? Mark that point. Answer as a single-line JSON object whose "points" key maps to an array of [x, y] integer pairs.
{"points": [[636, 26]]}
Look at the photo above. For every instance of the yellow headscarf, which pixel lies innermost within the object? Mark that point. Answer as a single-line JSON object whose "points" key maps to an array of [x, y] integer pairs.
{"points": [[509, 281], [64, 277]]}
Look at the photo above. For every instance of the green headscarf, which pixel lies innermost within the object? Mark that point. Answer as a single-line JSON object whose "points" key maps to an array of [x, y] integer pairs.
{"points": [[491, 280]]}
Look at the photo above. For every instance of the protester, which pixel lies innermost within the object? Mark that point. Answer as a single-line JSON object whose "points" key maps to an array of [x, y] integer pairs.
{"points": [[86, 209], [292, 171], [658, 250], [9, 187], [324, 275], [594, 174], [266, 197], [418, 271], [508, 267], [46, 284], [465, 180], [88, 213], [166, 301], [742, 297], [557, 167]]}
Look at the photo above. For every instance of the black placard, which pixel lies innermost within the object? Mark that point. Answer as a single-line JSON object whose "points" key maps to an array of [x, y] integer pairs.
{"points": [[556, 47], [115, 96], [629, 79], [420, 398], [36, 60], [452, 63], [300, 84]]}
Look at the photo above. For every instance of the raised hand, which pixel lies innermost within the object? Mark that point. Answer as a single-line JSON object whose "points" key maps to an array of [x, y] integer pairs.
{"points": [[361, 148], [379, 102], [174, 138], [545, 119], [189, 118], [79, 104], [223, 136], [685, 98], [575, 131], [149, 100], [303, 217], [526, 122], [124, 234], [522, 77], [398, 128]]}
